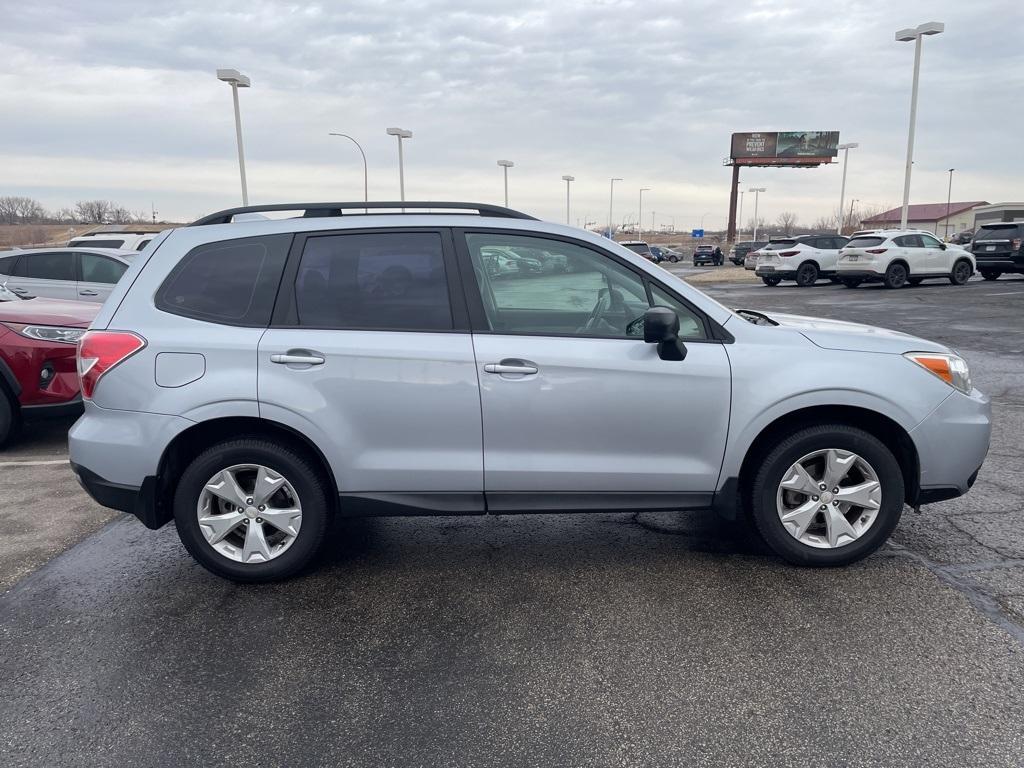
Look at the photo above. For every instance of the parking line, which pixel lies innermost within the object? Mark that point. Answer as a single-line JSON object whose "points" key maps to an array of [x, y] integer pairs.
{"points": [[32, 463], [1006, 293]]}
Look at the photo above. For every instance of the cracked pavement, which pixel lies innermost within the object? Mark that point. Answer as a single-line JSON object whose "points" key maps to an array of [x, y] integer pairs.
{"points": [[606, 639]]}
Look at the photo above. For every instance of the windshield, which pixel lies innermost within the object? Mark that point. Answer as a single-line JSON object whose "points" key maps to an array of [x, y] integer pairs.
{"points": [[776, 245], [636, 247], [999, 232]]}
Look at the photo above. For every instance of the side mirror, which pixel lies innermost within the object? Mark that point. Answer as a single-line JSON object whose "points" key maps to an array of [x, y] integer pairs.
{"points": [[942, 246], [661, 327]]}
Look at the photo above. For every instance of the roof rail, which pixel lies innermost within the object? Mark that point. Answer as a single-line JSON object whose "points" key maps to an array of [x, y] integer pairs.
{"points": [[317, 210]]}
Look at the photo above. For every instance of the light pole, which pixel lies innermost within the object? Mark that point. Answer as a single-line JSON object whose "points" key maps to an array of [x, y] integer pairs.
{"points": [[739, 224], [401, 134], [505, 165], [640, 215], [852, 203], [366, 187], [567, 179], [237, 80], [842, 189], [611, 200], [905, 36], [757, 194], [949, 196]]}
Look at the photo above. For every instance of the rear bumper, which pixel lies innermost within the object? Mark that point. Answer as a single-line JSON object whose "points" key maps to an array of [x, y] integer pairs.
{"points": [[1002, 264], [861, 274], [139, 501], [782, 274]]}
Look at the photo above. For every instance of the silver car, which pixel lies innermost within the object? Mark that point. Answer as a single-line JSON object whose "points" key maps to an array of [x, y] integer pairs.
{"points": [[80, 274], [249, 380]]}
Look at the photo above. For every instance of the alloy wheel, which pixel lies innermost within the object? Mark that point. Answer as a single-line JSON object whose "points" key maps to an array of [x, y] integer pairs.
{"points": [[829, 498], [249, 513]]}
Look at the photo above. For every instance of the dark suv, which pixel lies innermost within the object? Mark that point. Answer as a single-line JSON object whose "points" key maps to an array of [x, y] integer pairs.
{"points": [[997, 248], [738, 253]]}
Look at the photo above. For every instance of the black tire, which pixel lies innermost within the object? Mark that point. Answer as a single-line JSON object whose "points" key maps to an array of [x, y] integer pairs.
{"points": [[307, 480], [989, 274], [914, 280], [8, 417], [807, 274], [673, 259], [766, 483], [771, 281], [961, 272], [851, 282], [895, 276]]}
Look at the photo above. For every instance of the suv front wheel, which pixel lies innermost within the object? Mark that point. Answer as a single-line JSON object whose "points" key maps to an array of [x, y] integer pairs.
{"points": [[827, 495], [251, 510]]}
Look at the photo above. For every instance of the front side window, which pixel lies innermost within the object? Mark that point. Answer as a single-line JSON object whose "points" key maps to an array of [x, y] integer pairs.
{"points": [[46, 266], [930, 242], [230, 281], [100, 269], [383, 281], [593, 295], [908, 241]]}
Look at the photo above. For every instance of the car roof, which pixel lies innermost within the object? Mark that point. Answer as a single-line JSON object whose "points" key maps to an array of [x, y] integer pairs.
{"points": [[632, 242], [123, 253]]}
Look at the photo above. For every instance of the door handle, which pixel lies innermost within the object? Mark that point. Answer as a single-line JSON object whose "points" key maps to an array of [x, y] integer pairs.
{"points": [[297, 359], [88, 293], [19, 290], [508, 367]]}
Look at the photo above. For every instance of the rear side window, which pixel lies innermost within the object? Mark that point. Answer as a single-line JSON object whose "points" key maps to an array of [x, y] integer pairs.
{"points": [[233, 282], [95, 242], [865, 242], [47, 266], [100, 269], [382, 281]]}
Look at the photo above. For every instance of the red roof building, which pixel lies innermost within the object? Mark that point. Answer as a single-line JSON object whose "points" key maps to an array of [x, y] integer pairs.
{"points": [[930, 216]]}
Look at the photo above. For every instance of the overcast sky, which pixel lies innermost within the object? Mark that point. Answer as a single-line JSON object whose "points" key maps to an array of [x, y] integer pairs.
{"points": [[118, 99]]}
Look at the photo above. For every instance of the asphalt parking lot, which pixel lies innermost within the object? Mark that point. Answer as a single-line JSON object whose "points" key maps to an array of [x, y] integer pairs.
{"points": [[609, 640]]}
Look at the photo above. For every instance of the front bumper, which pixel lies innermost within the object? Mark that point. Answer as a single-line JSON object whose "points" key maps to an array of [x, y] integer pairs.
{"points": [[952, 443]]}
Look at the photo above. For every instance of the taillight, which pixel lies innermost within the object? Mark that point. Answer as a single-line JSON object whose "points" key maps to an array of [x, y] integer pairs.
{"points": [[876, 250], [787, 254], [99, 351]]}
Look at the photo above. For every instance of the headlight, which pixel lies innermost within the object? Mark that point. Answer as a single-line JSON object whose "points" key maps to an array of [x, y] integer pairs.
{"points": [[48, 332], [952, 369]]}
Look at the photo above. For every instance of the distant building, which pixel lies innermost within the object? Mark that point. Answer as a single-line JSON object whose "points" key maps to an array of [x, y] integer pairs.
{"points": [[929, 216], [988, 214]]}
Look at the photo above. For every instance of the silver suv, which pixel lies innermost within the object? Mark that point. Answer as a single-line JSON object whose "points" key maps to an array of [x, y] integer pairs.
{"points": [[249, 380]]}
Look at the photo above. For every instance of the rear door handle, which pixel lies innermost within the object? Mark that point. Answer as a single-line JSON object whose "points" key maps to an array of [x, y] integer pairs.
{"points": [[88, 293], [508, 367], [297, 359], [19, 290]]}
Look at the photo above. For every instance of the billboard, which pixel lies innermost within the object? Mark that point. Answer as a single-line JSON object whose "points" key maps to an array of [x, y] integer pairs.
{"points": [[781, 148]]}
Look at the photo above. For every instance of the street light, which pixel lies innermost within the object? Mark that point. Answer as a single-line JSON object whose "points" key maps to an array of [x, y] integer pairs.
{"points": [[567, 179], [757, 194], [366, 188], [237, 80], [842, 189], [702, 218], [949, 196], [905, 36], [740, 225], [640, 215], [505, 165], [611, 199], [401, 134]]}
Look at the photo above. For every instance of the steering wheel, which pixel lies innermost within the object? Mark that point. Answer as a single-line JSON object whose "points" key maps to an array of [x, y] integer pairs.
{"points": [[608, 300]]}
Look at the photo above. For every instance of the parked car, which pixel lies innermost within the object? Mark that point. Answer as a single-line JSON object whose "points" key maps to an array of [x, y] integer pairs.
{"points": [[640, 247], [998, 249], [38, 377], [84, 274], [738, 253], [962, 238], [898, 257], [804, 258], [708, 254], [750, 262], [670, 254], [229, 387], [124, 241]]}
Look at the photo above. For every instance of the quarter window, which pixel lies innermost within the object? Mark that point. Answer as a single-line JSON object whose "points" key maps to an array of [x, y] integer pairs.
{"points": [[387, 281], [100, 269], [46, 266]]}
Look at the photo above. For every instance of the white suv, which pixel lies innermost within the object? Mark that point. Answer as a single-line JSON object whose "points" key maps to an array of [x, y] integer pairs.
{"points": [[804, 258], [897, 257]]}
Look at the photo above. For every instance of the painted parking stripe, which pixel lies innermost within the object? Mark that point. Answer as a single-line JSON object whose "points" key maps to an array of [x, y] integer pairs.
{"points": [[33, 463]]}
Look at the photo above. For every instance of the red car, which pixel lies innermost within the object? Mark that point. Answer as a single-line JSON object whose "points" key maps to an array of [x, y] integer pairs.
{"points": [[38, 377]]}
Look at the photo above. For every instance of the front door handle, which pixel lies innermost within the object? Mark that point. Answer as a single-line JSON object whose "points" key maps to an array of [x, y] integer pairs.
{"points": [[511, 366], [297, 359], [88, 293]]}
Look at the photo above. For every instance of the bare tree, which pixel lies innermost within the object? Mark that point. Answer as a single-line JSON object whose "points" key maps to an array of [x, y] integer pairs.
{"points": [[21, 210], [65, 216], [786, 221], [93, 211], [824, 224]]}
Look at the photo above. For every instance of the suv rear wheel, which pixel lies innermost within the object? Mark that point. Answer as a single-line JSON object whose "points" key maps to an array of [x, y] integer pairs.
{"points": [[251, 510], [827, 495], [851, 282], [989, 274], [807, 274], [895, 276], [771, 281], [961, 272]]}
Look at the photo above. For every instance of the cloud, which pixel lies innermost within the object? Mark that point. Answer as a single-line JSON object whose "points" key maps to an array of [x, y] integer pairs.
{"points": [[118, 99]]}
